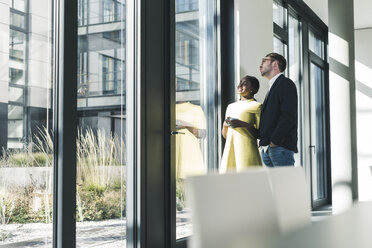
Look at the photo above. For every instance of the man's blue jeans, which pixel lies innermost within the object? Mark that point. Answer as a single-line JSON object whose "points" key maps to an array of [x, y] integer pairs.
{"points": [[277, 156]]}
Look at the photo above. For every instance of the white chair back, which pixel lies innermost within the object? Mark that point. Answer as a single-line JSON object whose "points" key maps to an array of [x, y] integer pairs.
{"points": [[292, 197], [232, 209]]}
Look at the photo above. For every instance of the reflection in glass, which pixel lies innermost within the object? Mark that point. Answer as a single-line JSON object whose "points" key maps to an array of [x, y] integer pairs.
{"points": [[195, 99], [101, 153], [26, 146]]}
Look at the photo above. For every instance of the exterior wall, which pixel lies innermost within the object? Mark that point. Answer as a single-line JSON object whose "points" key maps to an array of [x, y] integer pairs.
{"points": [[363, 72], [4, 50], [253, 39], [4, 72], [39, 74], [342, 104]]}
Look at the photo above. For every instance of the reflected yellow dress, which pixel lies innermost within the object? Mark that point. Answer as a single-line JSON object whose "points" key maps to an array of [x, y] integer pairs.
{"points": [[189, 159], [241, 148]]}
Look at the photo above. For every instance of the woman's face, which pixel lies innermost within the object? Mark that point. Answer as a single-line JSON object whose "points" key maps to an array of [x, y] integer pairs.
{"points": [[245, 88]]}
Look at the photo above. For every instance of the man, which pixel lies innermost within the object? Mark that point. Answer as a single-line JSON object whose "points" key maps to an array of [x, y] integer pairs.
{"points": [[278, 126]]}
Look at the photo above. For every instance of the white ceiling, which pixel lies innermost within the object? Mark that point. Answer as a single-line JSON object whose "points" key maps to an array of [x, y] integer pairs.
{"points": [[362, 14]]}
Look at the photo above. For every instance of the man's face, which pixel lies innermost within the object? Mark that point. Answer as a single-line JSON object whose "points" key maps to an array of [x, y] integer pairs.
{"points": [[266, 66]]}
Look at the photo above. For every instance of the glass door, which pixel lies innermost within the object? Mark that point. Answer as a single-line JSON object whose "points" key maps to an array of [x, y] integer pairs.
{"points": [[317, 116], [317, 141], [195, 146]]}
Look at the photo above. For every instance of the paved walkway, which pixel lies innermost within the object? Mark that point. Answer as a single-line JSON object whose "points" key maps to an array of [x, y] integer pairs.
{"points": [[102, 234]]}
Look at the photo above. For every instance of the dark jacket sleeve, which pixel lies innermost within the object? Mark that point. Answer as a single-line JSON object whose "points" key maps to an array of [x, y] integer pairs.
{"points": [[288, 112]]}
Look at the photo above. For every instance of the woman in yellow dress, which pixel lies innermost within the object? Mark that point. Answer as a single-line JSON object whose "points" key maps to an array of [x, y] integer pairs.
{"points": [[240, 129]]}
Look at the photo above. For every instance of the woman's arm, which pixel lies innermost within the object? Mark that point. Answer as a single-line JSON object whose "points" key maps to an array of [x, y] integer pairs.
{"points": [[224, 129], [238, 123]]}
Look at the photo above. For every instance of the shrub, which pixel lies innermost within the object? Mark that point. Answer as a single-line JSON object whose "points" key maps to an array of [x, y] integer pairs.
{"points": [[100, 203], [19, 159]]}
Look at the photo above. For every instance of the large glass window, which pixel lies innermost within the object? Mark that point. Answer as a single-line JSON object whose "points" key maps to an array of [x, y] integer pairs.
{"points": [[195, 148], [101, 142], [303, 41], [26, 144]]}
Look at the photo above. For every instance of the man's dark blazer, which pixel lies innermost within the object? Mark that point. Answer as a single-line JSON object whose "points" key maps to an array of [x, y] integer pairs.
{"points": [[278, 122]]}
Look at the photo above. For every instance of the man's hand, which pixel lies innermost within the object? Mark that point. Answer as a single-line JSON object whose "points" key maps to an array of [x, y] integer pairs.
{"points": [[272, 144]]}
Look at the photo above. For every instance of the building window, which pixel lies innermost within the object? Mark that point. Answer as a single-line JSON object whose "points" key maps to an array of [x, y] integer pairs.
{"points": [[110, 75]]}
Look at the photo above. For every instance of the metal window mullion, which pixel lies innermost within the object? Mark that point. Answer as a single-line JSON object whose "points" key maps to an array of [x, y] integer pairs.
{"points": [[65, 120]]}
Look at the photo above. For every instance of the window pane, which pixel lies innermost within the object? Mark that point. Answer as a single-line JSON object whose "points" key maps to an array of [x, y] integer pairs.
{"points": [[316, 44], [19, 5], [17, 20], [26, 146], [281, 48], [195, 99], [279, 14], [16, 76], [16, 94], [295, 71], [17, 48], [101, 153], [186, 5], [316, 129]]}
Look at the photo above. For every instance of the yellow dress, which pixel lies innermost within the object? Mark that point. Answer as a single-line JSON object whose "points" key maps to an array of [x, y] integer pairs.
{"points": [[241, 148], [189, 159]]}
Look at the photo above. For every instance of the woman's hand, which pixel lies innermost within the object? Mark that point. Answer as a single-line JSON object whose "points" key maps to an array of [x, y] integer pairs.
{"points": [[234, 123]]}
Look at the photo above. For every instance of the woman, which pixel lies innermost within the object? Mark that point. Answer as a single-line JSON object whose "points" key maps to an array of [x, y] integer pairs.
{"points": [[240, 129]]}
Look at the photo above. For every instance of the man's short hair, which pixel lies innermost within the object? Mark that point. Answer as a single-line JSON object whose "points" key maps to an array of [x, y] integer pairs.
{"points": [[282, 62]]}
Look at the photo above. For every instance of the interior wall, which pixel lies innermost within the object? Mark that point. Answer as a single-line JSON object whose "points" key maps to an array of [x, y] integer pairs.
{"points": [[320, 7], [342, 104], [253, 39], [363, 72]]}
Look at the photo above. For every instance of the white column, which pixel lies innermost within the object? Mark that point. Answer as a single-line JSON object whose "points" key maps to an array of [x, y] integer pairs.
{"points": [[253, 39]]}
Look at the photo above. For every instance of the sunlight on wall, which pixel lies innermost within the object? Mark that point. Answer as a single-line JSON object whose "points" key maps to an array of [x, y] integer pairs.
{"points": [[364, 135], [237, 47], [341, 141], [338, 49], [363, 74]]}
